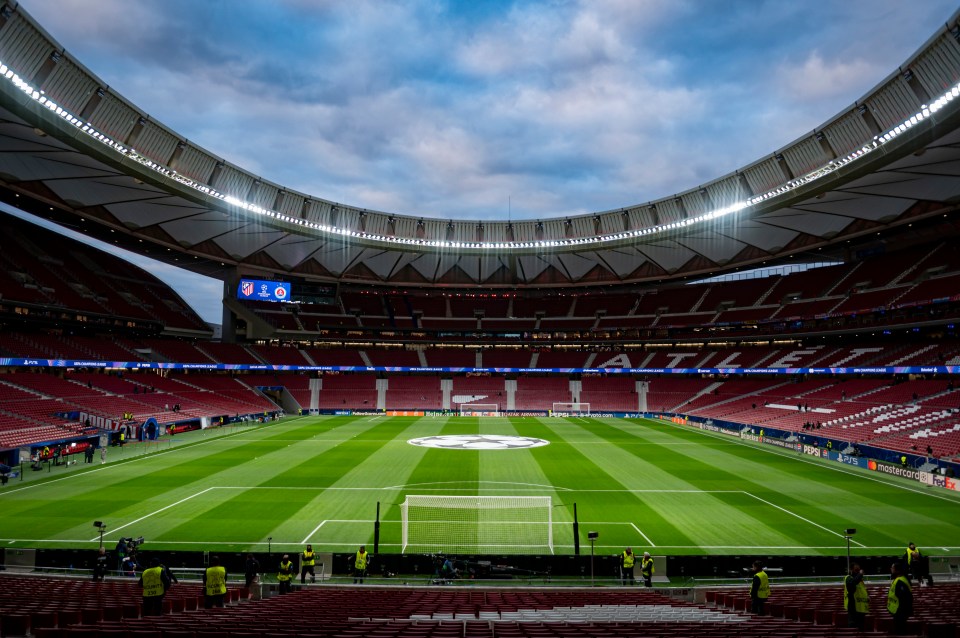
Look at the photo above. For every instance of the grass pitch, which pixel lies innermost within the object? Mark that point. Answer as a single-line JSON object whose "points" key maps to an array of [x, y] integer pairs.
{"points": [[646, 484]]}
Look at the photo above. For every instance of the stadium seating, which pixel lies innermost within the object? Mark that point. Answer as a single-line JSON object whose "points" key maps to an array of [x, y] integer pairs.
{"points": [[49, 607], [418, 392], [348, 392], [540, 393]]}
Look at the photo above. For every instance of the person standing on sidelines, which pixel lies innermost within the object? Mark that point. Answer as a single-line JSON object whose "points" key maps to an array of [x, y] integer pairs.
{"points": [[918, 565], [285, 574], [647, 569], [214, 584], [899, 599], [856, 599], [759, 589], [627, 560], [251, 577], [307, 560], [100, 565], [155, 584], [360, 565]]}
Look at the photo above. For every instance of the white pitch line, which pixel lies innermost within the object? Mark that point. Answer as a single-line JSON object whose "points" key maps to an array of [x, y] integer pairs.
{"points": [[120, 462], [291, 544], [806, 520], [313, 532], [793, 455], [440, 489], [117, 529], [649, 542]]}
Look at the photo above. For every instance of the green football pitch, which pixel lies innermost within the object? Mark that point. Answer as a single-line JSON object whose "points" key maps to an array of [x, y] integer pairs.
{"points": [[646, 484]]}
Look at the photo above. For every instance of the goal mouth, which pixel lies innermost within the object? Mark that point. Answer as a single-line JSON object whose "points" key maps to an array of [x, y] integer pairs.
{"points": [[570, 409], [479, 409], [477, 524]]}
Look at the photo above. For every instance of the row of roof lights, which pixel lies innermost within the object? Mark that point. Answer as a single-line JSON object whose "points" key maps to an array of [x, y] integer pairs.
{"points": [[231, 200]]}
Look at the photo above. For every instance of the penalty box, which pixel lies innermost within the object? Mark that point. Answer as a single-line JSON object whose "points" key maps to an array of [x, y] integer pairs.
{"points": [[291, 516]]}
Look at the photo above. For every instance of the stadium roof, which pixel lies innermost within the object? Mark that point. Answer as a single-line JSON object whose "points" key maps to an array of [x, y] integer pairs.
{"points": [[72, 147]]}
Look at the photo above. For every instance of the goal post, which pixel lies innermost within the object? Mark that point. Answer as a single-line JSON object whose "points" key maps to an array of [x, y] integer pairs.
{"points": [[477, 524], [571, 409], [479, 409]]}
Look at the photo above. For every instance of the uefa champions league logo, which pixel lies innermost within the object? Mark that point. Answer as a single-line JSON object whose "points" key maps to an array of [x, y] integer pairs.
{"points": [[479, 442]]}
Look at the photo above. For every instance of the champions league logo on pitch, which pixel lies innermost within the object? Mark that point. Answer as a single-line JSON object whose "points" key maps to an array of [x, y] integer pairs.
{"points": [[479, 442]]}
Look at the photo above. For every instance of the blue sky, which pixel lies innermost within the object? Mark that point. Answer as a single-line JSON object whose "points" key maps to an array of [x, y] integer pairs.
{"points": [[452, 109]]}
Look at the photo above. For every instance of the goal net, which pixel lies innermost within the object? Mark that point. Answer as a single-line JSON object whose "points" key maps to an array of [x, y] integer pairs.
{"points": [[477, 524], [479, 409], [571, 409]]}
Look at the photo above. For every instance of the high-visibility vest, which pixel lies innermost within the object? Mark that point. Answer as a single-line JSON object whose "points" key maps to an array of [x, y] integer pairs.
{"points": [[152, 583], [216, 581], [646, 567], [307, 559], [763, 592], [286, 571], [361, 562], [910, 555], [628, 560], [893, 602], [861, 599]]}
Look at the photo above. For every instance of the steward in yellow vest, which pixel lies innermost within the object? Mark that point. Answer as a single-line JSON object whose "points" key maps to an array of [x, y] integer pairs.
{"points": [[856, 599], [759, 590], [360, 565], [285, 574], [899, 599], [307, 561], [627, 560], [647, 569], [214, 584], [155, 583]]}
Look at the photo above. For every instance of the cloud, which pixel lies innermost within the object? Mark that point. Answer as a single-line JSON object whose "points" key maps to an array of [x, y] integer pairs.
{"points": [[447, 109]]}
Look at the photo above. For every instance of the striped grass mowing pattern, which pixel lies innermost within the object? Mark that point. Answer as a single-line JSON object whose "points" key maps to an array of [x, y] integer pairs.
{"points": [[639, 483]]}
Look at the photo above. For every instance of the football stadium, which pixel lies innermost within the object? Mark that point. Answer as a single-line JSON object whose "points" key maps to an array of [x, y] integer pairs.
{"points": [[611, 424]]}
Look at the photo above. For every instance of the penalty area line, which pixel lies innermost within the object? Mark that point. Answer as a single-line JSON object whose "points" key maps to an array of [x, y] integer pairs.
{"points": [[183, 500], [315, 530], [806, 520], [649, 542]]}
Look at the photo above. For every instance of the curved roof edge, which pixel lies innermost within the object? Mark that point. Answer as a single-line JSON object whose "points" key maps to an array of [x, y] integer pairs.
{"points": [[911, 97]]}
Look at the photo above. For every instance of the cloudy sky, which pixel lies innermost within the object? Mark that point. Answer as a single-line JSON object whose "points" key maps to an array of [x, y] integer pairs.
{"points": [[453, 109]]}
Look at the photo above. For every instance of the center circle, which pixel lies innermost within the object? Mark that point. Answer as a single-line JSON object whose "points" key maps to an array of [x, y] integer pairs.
{"points": [[479, 442]]}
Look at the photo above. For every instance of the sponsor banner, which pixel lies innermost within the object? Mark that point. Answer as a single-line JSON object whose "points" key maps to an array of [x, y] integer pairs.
{"points": [[261, 290], [787, 445], [746, 436], [405, 413], [936, 480], [846, 459], [713, 428], [86, 363], [895, 470], [813, 450]]}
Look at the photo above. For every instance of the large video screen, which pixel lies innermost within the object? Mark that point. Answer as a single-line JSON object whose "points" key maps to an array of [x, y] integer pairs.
{"points": [[261, 290]]}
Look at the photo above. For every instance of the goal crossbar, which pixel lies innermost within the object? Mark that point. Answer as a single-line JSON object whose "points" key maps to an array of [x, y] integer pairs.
{"points": [[504, 524], [479, 409]]}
